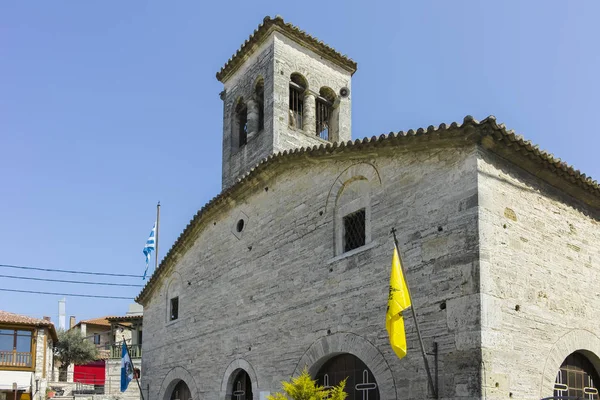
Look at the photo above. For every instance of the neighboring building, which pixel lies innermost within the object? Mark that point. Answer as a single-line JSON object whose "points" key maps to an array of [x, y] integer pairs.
{"points": [[130, 329], [108, 334], [97, 331], [289, 266], [25, 356]]}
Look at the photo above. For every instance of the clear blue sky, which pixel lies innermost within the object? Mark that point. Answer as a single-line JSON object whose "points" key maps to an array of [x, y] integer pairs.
{"points": [[107, 107]]}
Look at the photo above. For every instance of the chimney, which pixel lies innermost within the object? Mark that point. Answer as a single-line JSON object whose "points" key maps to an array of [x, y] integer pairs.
{"points": [[71, 321], [47, 319]]}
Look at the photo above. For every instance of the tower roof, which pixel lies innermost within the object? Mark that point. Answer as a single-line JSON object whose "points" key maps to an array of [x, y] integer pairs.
{"points": [[293, 32]]}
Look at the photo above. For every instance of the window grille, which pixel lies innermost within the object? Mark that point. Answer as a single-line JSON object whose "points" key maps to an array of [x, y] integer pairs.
{"points": [[296, 105], [354, 230], [323, 113], [174, 308], [241, 114], [577, 377]]}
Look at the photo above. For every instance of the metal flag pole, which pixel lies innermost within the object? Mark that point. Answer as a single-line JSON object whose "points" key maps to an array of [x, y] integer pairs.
{"points": [[414, 315], [134, 374], [156, 237]]}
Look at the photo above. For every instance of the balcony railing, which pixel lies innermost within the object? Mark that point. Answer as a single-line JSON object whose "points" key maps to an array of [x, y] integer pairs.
{"points": [[135, 351], [15, 359]]}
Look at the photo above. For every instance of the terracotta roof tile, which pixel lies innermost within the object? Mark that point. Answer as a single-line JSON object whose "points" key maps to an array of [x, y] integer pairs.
{"points": [[292, 32], [103, 321], [16, 319], [488, 128]]}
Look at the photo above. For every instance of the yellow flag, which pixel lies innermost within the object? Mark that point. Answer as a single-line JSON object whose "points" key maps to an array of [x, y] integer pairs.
{"points": [[398, 301]]}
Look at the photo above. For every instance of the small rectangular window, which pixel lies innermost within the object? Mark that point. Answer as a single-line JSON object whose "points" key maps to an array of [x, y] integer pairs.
{"points": [[96, 338], [354, 230], [174, 308]]}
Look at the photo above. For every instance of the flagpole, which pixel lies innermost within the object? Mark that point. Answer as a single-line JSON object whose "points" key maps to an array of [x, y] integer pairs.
{"points": [[156, 237], [134, 374], [414, 315]]}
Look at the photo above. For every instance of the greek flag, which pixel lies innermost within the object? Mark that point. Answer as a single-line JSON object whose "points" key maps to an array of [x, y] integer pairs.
{"points": [[150, 247], [126, 368]]}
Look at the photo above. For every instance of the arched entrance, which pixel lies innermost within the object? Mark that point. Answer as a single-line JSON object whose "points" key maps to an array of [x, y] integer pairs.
{"points": [[181, 391], [242, 386], [577, 377], [360, 383]]}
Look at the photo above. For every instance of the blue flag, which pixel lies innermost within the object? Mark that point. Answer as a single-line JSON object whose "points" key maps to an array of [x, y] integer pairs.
{"points": [[126, 368], [150, 247]]}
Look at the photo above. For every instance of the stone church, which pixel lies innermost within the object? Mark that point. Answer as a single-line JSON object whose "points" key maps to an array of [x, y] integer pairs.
{"points": [[288, 267]]}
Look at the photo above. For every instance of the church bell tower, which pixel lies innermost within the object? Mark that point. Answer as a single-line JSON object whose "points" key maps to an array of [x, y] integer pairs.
{"points": [[283, 89]]}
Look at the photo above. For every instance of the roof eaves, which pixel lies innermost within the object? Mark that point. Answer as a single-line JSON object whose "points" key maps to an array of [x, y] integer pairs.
{"points": [[487, 127], [293, 32]]}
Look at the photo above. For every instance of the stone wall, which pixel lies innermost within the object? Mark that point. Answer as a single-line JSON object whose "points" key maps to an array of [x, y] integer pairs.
{"points": [[275, 296], [112, 385], [238, 159], [540, 274]]}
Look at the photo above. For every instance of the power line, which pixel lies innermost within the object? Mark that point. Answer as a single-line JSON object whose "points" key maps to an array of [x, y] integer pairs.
{"points": [[67, 294], [66, 281], [69, 271]]}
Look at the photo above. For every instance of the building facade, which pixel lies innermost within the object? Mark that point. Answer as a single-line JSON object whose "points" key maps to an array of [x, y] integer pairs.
{"points": [[25, 356], [288, 268]]}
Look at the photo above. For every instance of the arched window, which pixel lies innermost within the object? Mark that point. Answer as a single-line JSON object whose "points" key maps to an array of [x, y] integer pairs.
{"points": [[242, 386], [297, 87], [360, 382], [259, 94], [577, 377], [353, 216], [241, 122], [324, 111], [181, 391]]}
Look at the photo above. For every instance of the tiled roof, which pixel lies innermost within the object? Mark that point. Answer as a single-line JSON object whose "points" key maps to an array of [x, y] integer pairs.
{"points": [[487, 131], [292, 32], [16, 319], [102, 321], [126, 318]]}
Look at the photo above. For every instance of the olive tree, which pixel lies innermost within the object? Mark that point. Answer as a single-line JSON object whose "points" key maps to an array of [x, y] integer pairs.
{"points": [[73, 348]]}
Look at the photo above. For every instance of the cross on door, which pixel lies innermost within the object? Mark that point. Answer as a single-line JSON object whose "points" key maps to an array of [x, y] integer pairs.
{"points": [[365, 386], [239, 393]]}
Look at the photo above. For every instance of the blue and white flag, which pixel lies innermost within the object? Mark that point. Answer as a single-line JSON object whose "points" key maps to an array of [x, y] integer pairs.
{"points": [[126, 368], [150, 247]]}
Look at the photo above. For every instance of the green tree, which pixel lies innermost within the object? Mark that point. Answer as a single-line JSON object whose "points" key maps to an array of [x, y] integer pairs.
{"points": [[73, 348], [304, 388]]}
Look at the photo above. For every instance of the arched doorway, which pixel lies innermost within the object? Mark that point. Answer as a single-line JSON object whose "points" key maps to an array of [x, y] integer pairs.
{"points": [[577, 377], [181, 391], [360, 383], [242, 386]]}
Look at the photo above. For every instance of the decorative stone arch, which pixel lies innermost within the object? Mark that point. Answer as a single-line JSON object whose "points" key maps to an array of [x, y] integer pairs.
{"points": [[360, 171], [230, 373], [350, 198], [577, 340], [174, 376], [330, 346], [174, 289]]}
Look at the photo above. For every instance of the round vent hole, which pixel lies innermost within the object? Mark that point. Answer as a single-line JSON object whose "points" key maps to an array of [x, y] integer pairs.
{"points": [[240, 225]]}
